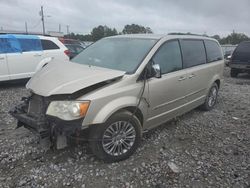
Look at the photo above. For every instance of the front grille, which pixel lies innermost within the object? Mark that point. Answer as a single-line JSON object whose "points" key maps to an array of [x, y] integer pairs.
{"points": [[37, 106]]}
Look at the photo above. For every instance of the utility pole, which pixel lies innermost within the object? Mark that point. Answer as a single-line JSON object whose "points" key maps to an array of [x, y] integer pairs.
{"points": [[59, 27], [67, 29], [42, 15], [26, 27]]}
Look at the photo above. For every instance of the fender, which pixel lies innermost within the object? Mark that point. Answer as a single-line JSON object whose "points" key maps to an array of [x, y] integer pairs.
{"points": [[115, 105], [215, 77], [218, 76]]}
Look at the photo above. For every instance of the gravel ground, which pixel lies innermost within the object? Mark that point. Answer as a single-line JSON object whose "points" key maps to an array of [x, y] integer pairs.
{"points": [[199, 149]]}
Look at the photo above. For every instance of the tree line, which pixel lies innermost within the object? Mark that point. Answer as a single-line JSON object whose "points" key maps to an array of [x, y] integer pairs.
{"points": [[105, 31], [233, 38]]}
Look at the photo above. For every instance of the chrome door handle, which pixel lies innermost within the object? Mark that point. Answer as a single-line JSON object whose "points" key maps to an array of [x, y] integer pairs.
{"points": [[182, 78], [1, 58], [191, 76], [37, 55]]}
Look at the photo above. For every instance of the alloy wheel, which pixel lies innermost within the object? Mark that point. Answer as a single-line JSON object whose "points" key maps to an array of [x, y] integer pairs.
{"points": [[212, 96], [118, 138]]}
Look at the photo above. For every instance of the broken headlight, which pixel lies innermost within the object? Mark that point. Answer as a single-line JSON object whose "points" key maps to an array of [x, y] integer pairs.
{"points": [[68, 110]]}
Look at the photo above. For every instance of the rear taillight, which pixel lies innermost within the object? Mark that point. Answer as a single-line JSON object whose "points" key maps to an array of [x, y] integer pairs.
{"points": [[67, 52]]}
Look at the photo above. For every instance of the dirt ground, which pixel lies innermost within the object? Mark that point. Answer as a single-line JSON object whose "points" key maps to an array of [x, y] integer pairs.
{"points": [[199, 149]]}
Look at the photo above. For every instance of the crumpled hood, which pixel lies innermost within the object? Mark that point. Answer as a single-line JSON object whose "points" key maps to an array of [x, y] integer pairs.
{"points": [[67, 77]]}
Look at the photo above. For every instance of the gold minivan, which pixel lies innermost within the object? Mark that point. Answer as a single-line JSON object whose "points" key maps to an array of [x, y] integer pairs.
{"points": [[119, 87]]}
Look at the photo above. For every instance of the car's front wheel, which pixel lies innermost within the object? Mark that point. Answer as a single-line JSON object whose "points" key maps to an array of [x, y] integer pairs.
{"points": [[117, 139]]}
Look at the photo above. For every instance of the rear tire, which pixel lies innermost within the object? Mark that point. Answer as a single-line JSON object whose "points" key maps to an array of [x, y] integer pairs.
{"points": [[211, 98], [234, 73], [117, 139]]}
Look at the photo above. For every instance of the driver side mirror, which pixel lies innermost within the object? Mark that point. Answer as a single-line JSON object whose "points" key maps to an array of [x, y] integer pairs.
{"points": [[156, 70]]}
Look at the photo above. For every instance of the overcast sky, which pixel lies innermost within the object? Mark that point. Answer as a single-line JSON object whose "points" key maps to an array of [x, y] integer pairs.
{"points": [[162, 16]]}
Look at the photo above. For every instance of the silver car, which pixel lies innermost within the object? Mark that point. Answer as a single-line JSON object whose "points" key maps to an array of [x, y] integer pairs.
{"points": [[119, 87]]}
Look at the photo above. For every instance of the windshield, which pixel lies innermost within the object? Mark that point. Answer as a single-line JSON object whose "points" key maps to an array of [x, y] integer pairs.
{"points": [[123, 54]]}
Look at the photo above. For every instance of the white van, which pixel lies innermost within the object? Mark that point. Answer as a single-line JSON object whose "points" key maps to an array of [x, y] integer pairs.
{"points": [[22, 55]]}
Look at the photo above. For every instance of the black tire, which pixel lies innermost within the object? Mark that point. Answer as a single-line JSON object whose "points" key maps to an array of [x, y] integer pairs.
{"points": [[234, 73], [208, 105], [97, 132]]}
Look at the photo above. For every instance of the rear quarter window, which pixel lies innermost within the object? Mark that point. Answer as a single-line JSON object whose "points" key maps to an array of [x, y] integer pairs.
{"points": [[49, 45], [213, 51], [193, 52]]}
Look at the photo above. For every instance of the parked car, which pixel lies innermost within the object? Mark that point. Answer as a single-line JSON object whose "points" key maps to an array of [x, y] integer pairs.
{"points": [[121, 86], [240, 60], [22, 55], [88, 43], [66, 41], [228, 49], [74, 49]]}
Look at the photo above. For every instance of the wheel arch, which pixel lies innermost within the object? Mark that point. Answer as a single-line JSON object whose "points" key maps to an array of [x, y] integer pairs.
{"points": [[134, 110], [216, 79], [218, 82]]}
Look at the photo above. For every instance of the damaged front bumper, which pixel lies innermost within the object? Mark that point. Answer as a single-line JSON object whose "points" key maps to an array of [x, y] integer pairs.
{"points": [[31, 114]]}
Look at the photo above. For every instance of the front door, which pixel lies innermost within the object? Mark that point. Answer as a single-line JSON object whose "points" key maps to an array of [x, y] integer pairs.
{"points": [[24, 63], [167, 94]]}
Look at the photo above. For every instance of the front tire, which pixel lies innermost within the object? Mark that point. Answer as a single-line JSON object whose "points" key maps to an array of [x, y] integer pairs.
{"points": [[116, 139], [211, 98]]}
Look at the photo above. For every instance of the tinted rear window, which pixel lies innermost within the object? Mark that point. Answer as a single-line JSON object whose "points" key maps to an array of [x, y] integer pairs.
{"points": [[49, 45], [242, 52], [213, 51], [193, 52]]}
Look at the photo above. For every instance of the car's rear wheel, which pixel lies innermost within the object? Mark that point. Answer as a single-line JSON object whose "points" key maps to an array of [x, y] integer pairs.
{"points": [[211, 98], [117, 139], [234, 73]]}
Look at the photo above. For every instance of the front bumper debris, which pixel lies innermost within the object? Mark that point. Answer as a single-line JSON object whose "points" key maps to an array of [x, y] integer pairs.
{"points": [[31, 114]]}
